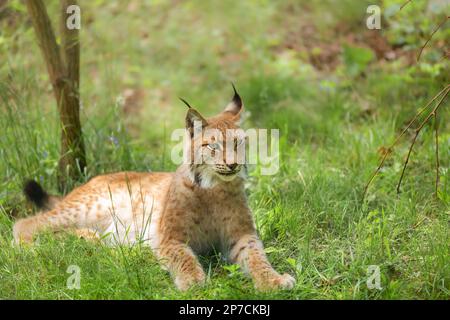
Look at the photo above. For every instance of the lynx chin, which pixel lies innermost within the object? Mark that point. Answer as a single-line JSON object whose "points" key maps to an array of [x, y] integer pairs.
{"points": [[179, 214]]}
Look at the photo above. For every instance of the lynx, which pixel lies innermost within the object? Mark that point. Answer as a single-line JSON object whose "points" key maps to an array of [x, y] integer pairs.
{"points": [[179, 215]]}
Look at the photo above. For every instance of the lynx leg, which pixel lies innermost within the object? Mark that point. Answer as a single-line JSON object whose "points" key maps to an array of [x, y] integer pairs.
{"points": [[25, 229], [249, 253], [182, 263]]}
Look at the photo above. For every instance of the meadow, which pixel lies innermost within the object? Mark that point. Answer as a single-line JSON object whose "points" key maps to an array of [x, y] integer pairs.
{"points": [[338, 92]]}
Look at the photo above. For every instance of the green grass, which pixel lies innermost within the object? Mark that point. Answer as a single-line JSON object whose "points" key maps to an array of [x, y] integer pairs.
{"points": [[310, 215]]}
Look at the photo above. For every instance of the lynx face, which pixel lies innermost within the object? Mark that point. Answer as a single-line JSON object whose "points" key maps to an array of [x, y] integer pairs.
{"points": [[223, 153], [216, 146]]}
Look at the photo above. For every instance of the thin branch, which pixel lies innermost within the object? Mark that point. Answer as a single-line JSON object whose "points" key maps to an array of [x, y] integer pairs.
{"points": [[417, 133], [407, 160], [431, 36], [436, 132], [405, 4], [389, 150]]}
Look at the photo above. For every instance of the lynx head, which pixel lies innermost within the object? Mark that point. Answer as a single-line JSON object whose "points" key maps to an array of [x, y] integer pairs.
{"points": [[215, 147]]}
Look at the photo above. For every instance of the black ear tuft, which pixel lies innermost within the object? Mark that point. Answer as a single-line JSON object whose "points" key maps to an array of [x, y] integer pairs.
{"points": [[35, 193], [235, 105], [236, 97], [185, 102]]}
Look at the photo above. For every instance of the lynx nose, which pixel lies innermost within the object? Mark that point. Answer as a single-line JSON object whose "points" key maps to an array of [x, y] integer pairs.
{"points": [[232, 166]]}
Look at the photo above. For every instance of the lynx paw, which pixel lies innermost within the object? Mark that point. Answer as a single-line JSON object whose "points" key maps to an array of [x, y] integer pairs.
{"points": [[185, 282], [279, 282], [286, 281]]}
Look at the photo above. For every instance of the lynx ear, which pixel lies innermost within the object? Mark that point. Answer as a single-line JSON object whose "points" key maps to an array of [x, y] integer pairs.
{"points": [[194, 116], [193, 119], [235, 106]]}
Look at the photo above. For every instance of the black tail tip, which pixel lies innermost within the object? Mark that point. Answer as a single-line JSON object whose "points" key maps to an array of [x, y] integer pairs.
{"points": [[35, 193]]}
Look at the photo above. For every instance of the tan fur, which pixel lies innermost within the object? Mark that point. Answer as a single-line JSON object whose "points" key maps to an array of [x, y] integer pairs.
{"points": [[172, 212]]}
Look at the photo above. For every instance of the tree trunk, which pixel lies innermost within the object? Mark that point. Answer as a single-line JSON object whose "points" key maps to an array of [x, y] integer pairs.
{"points": [[63, 69]]}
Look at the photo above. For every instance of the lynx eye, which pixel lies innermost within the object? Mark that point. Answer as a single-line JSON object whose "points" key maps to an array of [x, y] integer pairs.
{"points": [[213, 146]]}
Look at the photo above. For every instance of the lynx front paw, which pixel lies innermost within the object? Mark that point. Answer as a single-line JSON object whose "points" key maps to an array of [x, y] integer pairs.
{"points": [[186, 281], [279, 282], [286, 281]]}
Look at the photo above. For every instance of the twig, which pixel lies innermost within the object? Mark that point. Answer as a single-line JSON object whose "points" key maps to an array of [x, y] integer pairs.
{"points": [[407, 160], [417, 133], [431, 36], [405, 4], [437, 151], [389, 150]]}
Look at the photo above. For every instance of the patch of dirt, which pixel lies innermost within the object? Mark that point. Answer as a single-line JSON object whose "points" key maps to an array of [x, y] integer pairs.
{"points": [[323, 48]]}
